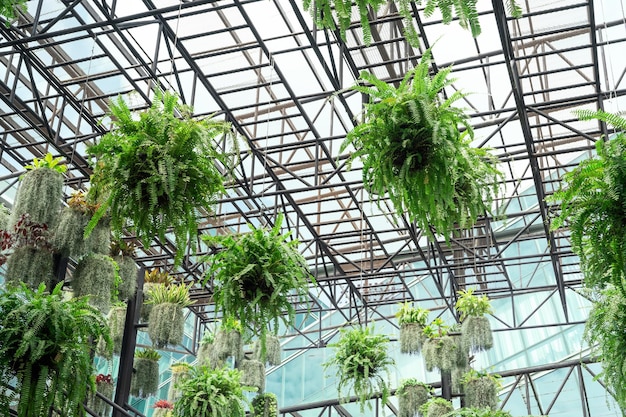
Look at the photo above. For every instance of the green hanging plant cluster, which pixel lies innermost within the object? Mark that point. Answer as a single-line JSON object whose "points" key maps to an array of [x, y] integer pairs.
{"points": [[166, 322], [328, 14], [476, 332], [256, 277], [362, 364], [145, 380], [481, 389], [413, 150], [437, 407], [412, 321], [45, 345], [412, 394], [265, 405], [157, 169]]}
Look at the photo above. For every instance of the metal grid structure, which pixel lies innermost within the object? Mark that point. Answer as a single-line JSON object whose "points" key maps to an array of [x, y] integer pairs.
{"points": [[262, 65]]}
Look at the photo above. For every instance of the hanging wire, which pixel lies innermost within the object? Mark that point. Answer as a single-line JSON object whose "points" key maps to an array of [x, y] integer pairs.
{"points": [[172, 63]]}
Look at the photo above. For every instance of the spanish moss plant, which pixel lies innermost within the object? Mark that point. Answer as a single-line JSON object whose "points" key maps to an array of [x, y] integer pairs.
{"points": [[272, 354], [475, 328], [151, 278], [439, 350], [167, 322], [180, 370], [157, 167], [69, 234], [5, 214], [117, 320], [265, 405], [94, 277], [206, 346], [31, 266], [145, 380], [122, 253], [481, 389], [228, 342], [362, 364], [104, 387], [437, 407], [413, 149], [412, 321], [253, 374], [412, 394]]}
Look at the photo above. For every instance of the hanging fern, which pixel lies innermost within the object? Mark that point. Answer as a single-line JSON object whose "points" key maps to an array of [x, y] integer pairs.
{"points": [[413, 150], [155, 171]]}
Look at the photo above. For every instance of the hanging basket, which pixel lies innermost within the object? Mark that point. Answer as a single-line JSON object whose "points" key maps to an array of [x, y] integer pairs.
{"points": [[253, 374], [411, 398], [179, 372], [31, 266], [265, 405], [39, 194], [166, 325], [228, 343], [476, 334], [481, 393], [272, 353], [94, 276], [437, 407], [99, 240], [104, 388], [440, 352], [69, 234], [411, 338], [117, 319], [128, 277], [145, 381]]}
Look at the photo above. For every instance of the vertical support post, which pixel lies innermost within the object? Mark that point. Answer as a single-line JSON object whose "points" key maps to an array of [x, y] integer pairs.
{"points": [[129, 341], [446, 385]]}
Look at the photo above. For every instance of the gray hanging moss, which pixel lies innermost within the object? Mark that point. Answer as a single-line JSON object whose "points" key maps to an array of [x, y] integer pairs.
{"points": [[117, 319], [5, 214], [437, 407], [228, 343], [476, 333], [179, 372], [127, 286], [68, 236], [253, 374], [39, 194], [99, 240], [272, 354], [481, 392], [96, 404], [166, 325], [440, 353], [411, 396], [265, 405], [457, 379], [94, 276], [146, 308], [411, 338], [145, 381], [31, 266]]}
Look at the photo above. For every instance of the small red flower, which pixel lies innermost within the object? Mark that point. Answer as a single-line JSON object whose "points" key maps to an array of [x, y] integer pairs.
{"points": [[164, 404], [104, 379]]}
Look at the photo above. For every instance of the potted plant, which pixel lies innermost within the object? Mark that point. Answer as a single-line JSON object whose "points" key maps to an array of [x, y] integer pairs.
{"points": [[361, 362], [265, 405], [166, 323], [211, 392], [257, 276], [591, 199], [154, 171], [104, 387], [70, 229], [412, 321], [437, 407], [152, 278], [145, 381], [40, 191], [475, 327], [439, 350], [481, 389], [123, 254], [94, 276], [252, 374], [228, 342], [412, 148], [272, 355], [117, 320], [412, 394], [205, 347], [162, 408], [180, 370], [45, 346], [31, 260]]}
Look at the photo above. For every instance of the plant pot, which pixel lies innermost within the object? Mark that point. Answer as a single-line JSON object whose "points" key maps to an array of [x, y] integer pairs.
{"points": [[145, 381], [476, 334], [481, 393], [31, 266], [94, 276], [253, 374], [166, 325], [128, 277], [96, 404], [440, 353], [117, 319], [39, 194], [265, 405], [69, 234], [411, 339], [411, 399], [272, 354]]}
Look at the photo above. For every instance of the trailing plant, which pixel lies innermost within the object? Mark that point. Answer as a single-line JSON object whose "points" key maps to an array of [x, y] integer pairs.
{"points": [[157, 169], [257, 276], [591, 198], [40, 191], [145, 380], [5, 214], [412, 321], [104, 387], [151, 278], [475, 328], [45, 345], [272, 354], [94, 276], [117, 320], [166, 323], [481, 389], [412, 149], [127, 271], [9, 8], [412, 394], [265, 405], [206, 347], [326, 13], [211, 392], [228, 342], [180, 370], [437, 407], [361, 362], [439, 349], [253, 374], [480, 412]]}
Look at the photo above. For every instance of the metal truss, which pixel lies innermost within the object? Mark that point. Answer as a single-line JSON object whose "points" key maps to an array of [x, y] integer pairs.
{"points": [[282, 83]]}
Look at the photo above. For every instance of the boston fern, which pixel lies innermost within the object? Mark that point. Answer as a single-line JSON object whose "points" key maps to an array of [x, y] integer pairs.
{"points": [[413, 150], [361, 362], [156, 170], [592, 198]]}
